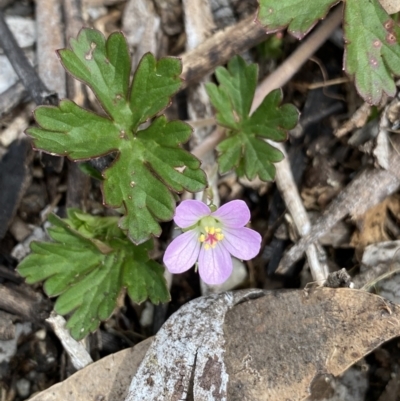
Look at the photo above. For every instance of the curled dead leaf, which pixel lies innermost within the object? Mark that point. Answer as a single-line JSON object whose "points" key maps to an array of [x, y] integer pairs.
{"points": [[246, 345], [279, 345], [258, 345]]}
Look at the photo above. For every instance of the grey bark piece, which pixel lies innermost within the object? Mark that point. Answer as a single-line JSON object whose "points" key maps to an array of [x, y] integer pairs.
{"points": [[76, 350], [189, 349], [50, 38], [140, 24]]}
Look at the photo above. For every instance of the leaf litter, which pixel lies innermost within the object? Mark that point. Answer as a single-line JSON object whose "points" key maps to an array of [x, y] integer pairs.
{"points": [[380, 309], [324, 330]]}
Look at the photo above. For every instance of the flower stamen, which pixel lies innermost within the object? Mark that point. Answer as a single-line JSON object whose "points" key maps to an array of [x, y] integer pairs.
{"points": [[211, 237]]}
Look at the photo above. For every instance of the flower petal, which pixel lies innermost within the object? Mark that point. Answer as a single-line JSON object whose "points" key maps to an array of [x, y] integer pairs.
{"points": [[189, 212], [233, 214], [182, 252], [215, 265], [243, 243]]}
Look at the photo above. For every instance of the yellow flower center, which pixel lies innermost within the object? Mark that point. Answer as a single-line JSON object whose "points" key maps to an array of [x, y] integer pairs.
{"points": [[211, 237]]}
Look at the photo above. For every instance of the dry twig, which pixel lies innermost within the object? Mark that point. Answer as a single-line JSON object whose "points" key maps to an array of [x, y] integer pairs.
{"points": [[368, 189], [49, 39], [218, 49], [76, 351]]}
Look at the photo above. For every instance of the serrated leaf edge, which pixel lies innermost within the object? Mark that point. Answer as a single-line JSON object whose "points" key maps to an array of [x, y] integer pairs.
{"points": [[298, 35]]}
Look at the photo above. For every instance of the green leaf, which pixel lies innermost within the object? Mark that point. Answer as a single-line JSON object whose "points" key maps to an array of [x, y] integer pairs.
{"points": [[151, 164], [88, 265], [372, 50], [271, 48], [104, 66], [298, 15], [245, 148]]}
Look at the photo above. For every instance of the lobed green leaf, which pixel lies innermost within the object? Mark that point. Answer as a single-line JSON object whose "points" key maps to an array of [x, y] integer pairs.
{"points": [[245, 148], [298, 15], [150, 165], [372, 49], [102, 65], [88, 265]]}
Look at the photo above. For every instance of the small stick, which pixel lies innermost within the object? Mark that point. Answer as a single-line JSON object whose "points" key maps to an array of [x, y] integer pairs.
{"points": [[292, 64], [324, 84], [78, 183], [49, 39], [288, 189], [218, 49], [76, 351], [209, 143], [19, 301], [357, 120], [141, 26], [73, 24]]}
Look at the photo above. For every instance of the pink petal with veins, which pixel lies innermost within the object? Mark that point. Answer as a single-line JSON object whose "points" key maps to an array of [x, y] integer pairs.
{"points": [[189, 212], [182, 252], [215, 265], [242, 243], [233, 214]]}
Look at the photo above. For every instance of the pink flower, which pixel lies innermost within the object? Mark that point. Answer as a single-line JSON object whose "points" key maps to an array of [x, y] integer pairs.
{"points": [[211, 238]]}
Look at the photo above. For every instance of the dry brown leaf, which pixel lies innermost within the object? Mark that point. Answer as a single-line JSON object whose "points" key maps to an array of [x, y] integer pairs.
{"points": [[280, 345], [357, 120], [372, 227], [276, 345], [105, 380]]}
